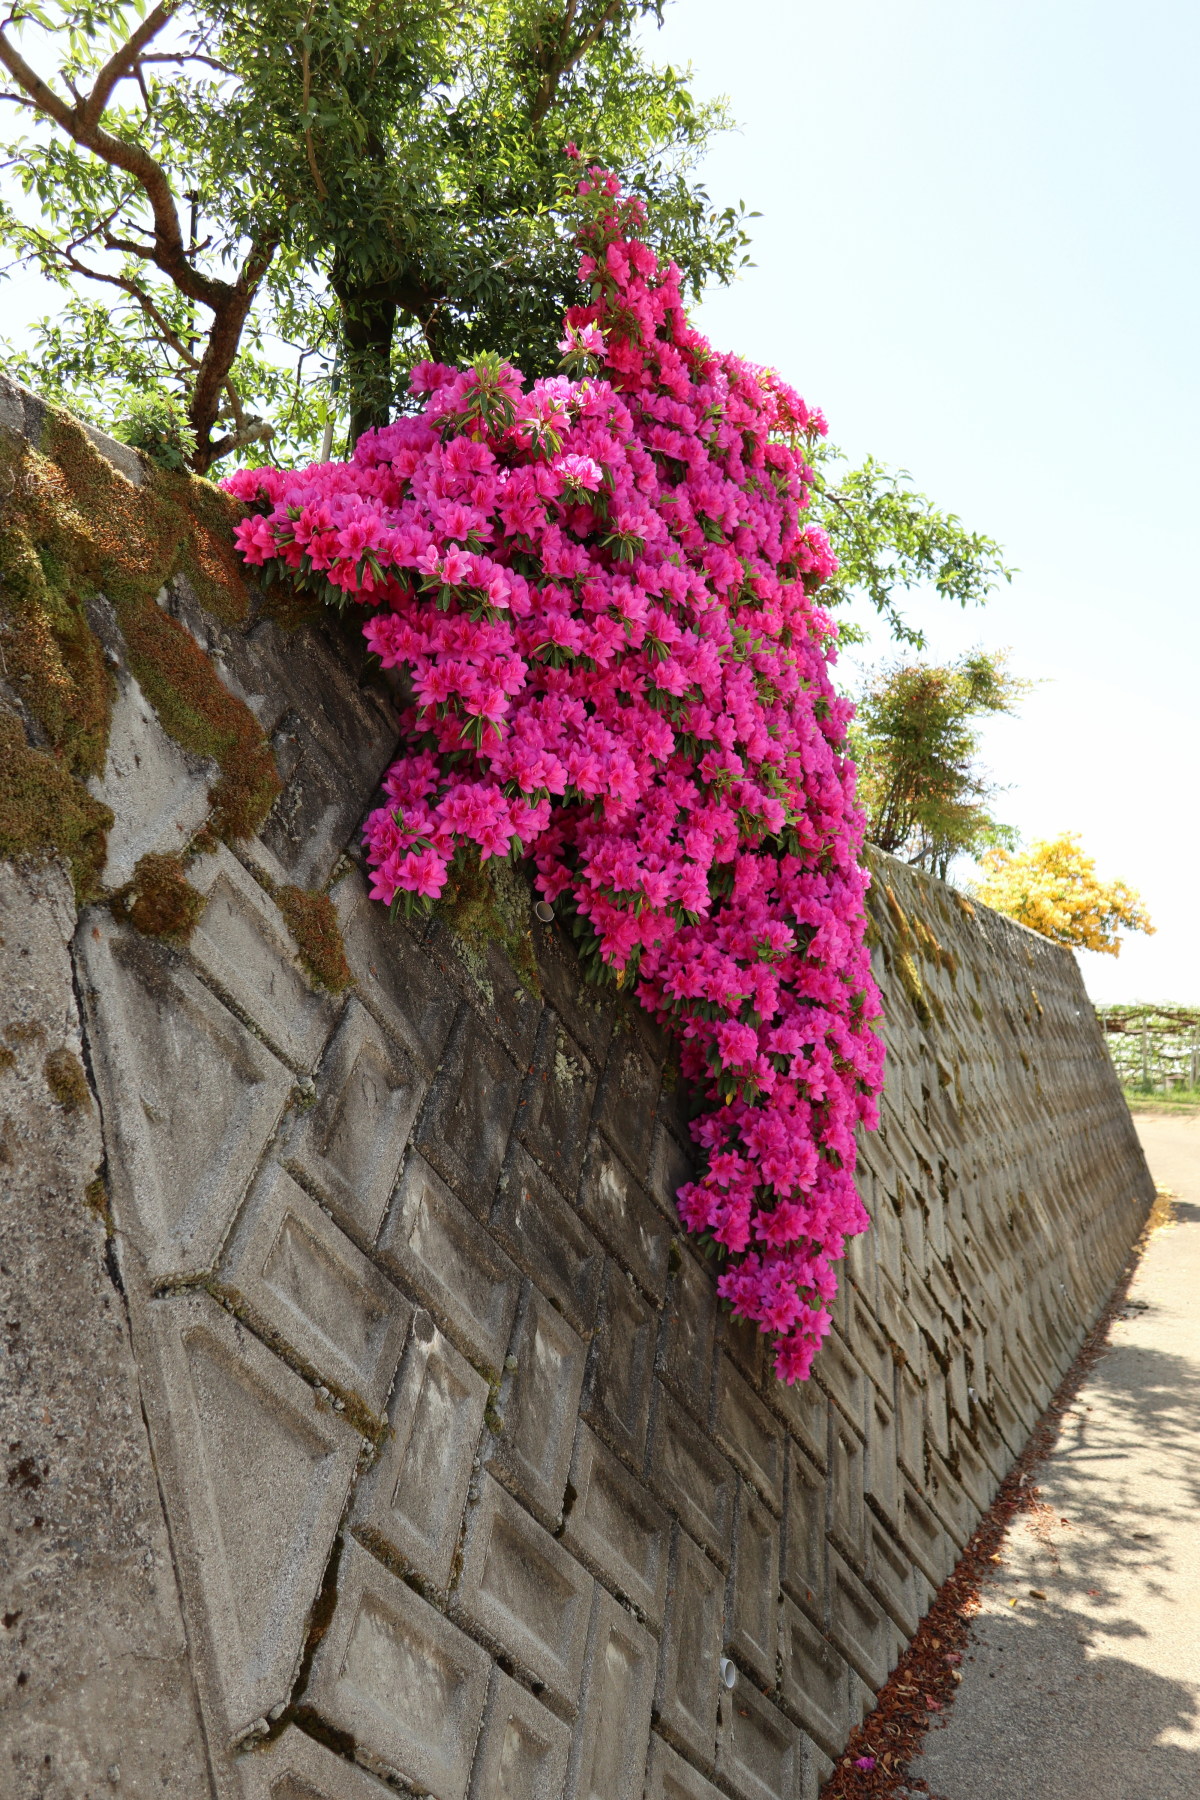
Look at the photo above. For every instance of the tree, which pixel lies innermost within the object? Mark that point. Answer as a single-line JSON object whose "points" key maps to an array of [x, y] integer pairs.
{"points": [[365, 181], [888, 536], [915, 742], [286, 205], [1053, 888]]}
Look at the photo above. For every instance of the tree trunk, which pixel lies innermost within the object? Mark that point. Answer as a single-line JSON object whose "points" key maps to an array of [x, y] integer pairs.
{"points": [[368, 330]]}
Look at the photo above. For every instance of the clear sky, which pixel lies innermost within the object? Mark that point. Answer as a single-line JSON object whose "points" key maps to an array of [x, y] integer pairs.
{"points": [[979, 253]]}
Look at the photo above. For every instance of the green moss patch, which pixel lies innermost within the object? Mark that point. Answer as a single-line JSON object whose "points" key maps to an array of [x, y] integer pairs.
{"points": [[74, 527], [160, 901], [45, 812], [312, 921], [66, 1080]]}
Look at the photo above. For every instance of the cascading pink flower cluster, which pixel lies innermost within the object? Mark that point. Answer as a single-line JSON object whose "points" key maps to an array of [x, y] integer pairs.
{"points": [[599, 587]]}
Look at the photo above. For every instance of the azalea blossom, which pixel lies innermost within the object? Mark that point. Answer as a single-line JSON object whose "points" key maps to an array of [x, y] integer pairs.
{"points": [[603, 594]]}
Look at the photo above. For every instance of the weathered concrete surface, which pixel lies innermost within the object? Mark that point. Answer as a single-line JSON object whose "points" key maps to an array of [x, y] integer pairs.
{"points": [[1093, 1693], [95, 1688]]}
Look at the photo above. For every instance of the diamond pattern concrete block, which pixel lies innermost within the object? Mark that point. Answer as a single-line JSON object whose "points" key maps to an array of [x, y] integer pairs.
{"points": [[692, 1478], [748, 1434], [617, 1401], [157, 792], [348, 1147], [839, 1374], [926, 1539], [296, 1767], [618, 1210], [523, 1749], [395, 979], [189, 1098], [411, 1502], [858, 1625], [949, 1501], [625, 1108], [483, 972], [890, 1577], [322, 800], [752, 1629], [589, 1008], [910, 1424], [689, 1664], [608, 1757], [670, 1166], [548, 1239], [440, 1254], [243, 947], [539, 1402], [816, 1683], [686, 1351], [255, 1470], [465, 1124], [314, 1291], [521, 1591], [668, 1777], [556, 1102], [404, 1682], [881, 1478], [803, 1573], [847, 1510], [760, 1753], [616, 1528], [805, 1411]]}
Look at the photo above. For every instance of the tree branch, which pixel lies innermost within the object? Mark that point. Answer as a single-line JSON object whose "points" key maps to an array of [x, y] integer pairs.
{"points": [[555, 66]]}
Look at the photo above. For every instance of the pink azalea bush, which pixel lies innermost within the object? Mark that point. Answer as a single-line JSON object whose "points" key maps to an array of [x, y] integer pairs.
{"points": [[600, 589]]}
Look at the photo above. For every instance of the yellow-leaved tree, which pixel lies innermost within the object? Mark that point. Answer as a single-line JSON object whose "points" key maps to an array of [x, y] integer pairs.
{"points": [[1053, 888]]}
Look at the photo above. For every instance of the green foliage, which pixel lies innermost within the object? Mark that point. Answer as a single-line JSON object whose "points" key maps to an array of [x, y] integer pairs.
{"points": [[888, 537], [915, 742], [353, 186], [157, 425]]}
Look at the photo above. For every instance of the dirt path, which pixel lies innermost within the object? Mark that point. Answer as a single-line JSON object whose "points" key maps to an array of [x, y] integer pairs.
{"points": [[1082, 1677]]}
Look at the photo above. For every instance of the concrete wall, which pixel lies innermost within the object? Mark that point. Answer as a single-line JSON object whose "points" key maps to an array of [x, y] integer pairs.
{"points": [[375, 1422]]}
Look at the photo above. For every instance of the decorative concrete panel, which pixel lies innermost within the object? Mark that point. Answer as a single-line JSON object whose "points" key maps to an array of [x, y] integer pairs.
{"points": [[242, 947], [608, 1757], [525, 1594], [157, 792], [539, 1406], [190, 1098], [691, 1478], [401, 1680], [297, 1767], [523, 1749], [616, 1528], [314, 1292], [669, 1777], [256, 1469], [439, 1253], [410, 1505], [347, 1148], [752, 1624], [760, 1753], [689, 1666]]}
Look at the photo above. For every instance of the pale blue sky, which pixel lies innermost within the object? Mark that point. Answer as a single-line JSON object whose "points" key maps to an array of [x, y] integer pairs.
{"points": [[979, 253]]}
